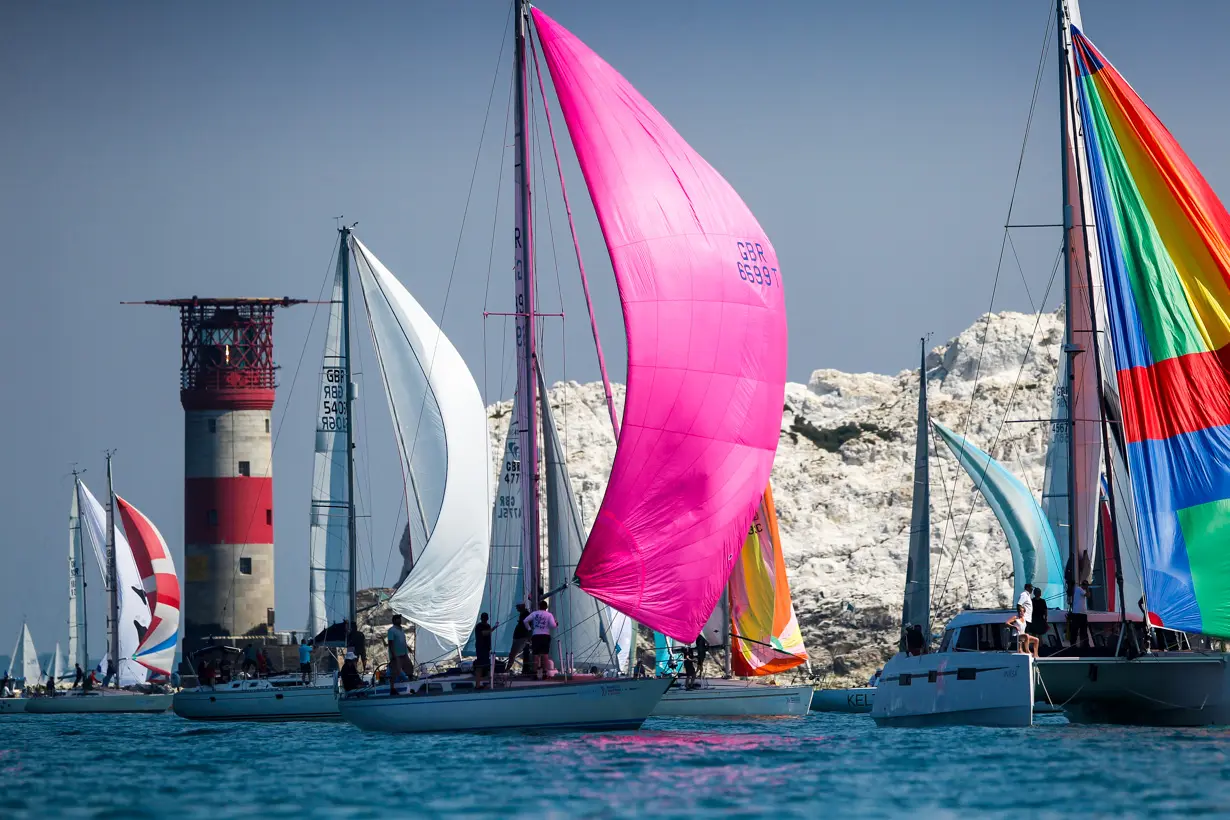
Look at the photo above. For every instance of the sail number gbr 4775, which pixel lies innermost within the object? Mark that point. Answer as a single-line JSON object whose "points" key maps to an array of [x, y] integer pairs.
{"points": [[752, 265]]}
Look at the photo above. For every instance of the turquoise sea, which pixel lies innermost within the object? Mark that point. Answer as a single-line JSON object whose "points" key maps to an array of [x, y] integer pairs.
{"points": [[820, 766]]}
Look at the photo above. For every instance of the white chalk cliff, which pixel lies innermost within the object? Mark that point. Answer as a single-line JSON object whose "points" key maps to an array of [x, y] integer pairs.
{"points": [[843, 476]]}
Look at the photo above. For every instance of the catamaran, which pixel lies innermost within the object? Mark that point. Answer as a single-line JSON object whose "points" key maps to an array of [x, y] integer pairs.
{"points": [[705, 321], [755, 621], [143, 598]]}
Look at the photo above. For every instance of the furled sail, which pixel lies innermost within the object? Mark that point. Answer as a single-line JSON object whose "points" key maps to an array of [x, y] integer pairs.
{"points": [[590, 631], [505, 577], [1164, 239], [76, 585], [328, 552], [23, 663], [134, 618], [766, 638], [440, 425], [705, 318], [1035, 554], [157, 569], [916, 605]]}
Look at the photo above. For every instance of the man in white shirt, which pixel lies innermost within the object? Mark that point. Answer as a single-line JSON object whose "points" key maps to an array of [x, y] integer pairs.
{"points": [[541, 623], [1027, 601], [1078, 618]]}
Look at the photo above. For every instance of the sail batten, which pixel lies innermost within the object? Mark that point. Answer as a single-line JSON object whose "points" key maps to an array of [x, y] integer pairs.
{"points": [[1164, 242], [704, 315]]}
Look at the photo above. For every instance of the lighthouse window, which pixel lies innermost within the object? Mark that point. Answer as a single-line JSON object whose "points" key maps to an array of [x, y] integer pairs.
{"points": [[269, 518], [266, 425], [213, 425], [245, 566], [211, 518], [245, 468]]}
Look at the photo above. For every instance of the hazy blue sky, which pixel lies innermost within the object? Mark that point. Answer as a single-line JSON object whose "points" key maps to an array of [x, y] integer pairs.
{"points": [[153, 149]]}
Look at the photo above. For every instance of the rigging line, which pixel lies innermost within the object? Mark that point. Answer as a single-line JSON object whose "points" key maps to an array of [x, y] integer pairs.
{"points": [[495, 218], [1007, 410], [948, 499], [1032, 307], [230, 595], [576, 244]]}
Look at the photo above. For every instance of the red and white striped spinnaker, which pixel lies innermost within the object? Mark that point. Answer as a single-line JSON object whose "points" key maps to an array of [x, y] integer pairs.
{"points": [[149, 550]]}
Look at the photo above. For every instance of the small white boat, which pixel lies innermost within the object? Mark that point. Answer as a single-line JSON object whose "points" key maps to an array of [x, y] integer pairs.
{"points": [[453, 704], [105, 701], [734, 698], [284, 697], [857, 700], [966, 689]]}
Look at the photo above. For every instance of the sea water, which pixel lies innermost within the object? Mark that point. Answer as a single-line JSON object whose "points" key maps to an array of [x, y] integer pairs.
{"points": [[819, 766]]}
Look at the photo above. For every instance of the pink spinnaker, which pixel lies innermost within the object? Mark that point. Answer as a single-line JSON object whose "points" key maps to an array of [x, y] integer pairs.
{"points": [[706, 326]]}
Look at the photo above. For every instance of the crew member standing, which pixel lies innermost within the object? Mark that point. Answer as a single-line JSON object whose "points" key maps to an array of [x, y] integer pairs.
{"points": [[541, 624], [399, 655], [482, 650]]}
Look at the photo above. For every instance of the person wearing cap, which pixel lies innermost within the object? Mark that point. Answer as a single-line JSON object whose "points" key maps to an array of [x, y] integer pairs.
{"points": [[351, 679], [399, 655]]}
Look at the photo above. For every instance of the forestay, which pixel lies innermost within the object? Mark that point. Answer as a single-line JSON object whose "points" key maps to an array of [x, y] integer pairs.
{"points": [[134, 617], [1164, 242], [157, 570], [329, 565], [1035, 554], [705, 318], [440, 425]]}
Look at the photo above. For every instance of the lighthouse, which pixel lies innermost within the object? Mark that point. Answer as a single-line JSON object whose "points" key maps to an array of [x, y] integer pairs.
{"points": [[227, 389]]}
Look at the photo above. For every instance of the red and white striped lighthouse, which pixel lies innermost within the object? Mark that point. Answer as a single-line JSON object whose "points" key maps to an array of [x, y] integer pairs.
{"points": [[227, 389]]}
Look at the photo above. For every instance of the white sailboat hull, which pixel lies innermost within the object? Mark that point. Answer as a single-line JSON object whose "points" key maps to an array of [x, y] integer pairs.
{"points": [[108, 702], [1160, 689], [956, 689], [616, 704], [858, 700], [260, 700], [735, 698], [13, 706]]}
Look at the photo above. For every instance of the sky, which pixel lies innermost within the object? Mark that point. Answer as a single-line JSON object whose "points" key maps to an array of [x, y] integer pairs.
{"points": [[154, 150]]}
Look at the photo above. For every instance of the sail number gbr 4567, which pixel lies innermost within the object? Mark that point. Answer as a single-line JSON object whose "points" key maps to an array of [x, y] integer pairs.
{"points": [[752, 265]]}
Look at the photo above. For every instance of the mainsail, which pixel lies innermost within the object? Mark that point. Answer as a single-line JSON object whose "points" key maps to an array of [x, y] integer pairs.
{"points": [[76, 585], [916, 604], [329, 564], [23, 663], [134, 615], [1035, 553], [590, 633], [1164, 248], [766, 637], [705, 318], [157, 569], [440, 425]]}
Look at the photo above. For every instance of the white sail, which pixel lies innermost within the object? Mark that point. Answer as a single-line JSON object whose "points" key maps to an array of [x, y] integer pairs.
{"points": [[134, 617], [589, 630], [329, 585], [503, 589], [76, 585], [59, 666], [441, 430], [23, 665]]}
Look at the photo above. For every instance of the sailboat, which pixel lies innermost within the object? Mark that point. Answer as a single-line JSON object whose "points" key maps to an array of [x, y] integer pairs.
{"points": [[974, 678], [701, 418], [755, 619], [332, 551], [1147, 260], [23, 673], [140, 631]]}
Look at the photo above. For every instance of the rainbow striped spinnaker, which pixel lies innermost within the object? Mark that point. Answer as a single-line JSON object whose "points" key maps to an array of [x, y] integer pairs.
{"points": [[1163, 245]]}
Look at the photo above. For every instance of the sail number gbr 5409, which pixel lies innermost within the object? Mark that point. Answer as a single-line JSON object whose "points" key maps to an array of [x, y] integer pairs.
{"points": [[333, 401], [753, 267]]}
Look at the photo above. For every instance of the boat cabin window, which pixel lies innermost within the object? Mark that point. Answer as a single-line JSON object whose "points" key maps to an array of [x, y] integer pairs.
{"points": [[946, 643], [967, 639], [463, 686], [435, 688]]}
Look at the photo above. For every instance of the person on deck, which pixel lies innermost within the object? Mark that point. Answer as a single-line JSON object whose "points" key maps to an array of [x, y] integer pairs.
{"points": [[689, 669], [1019, 624], [111, 673], [1078, 618], [915, 644], [482, 650], [262, 664], [356, 642], [520, 641], [702, 649], [541, 624], [399, 655], [351, 679], [305, 661], [79, 675], [1026, 599], [249, 659], [1038, 623]]}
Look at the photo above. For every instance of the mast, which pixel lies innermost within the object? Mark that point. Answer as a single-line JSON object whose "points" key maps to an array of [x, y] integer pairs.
{"points": [[916, 606], [113, 617], [1070, 350], [351, 535], [78, 632], [523, 242]]}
